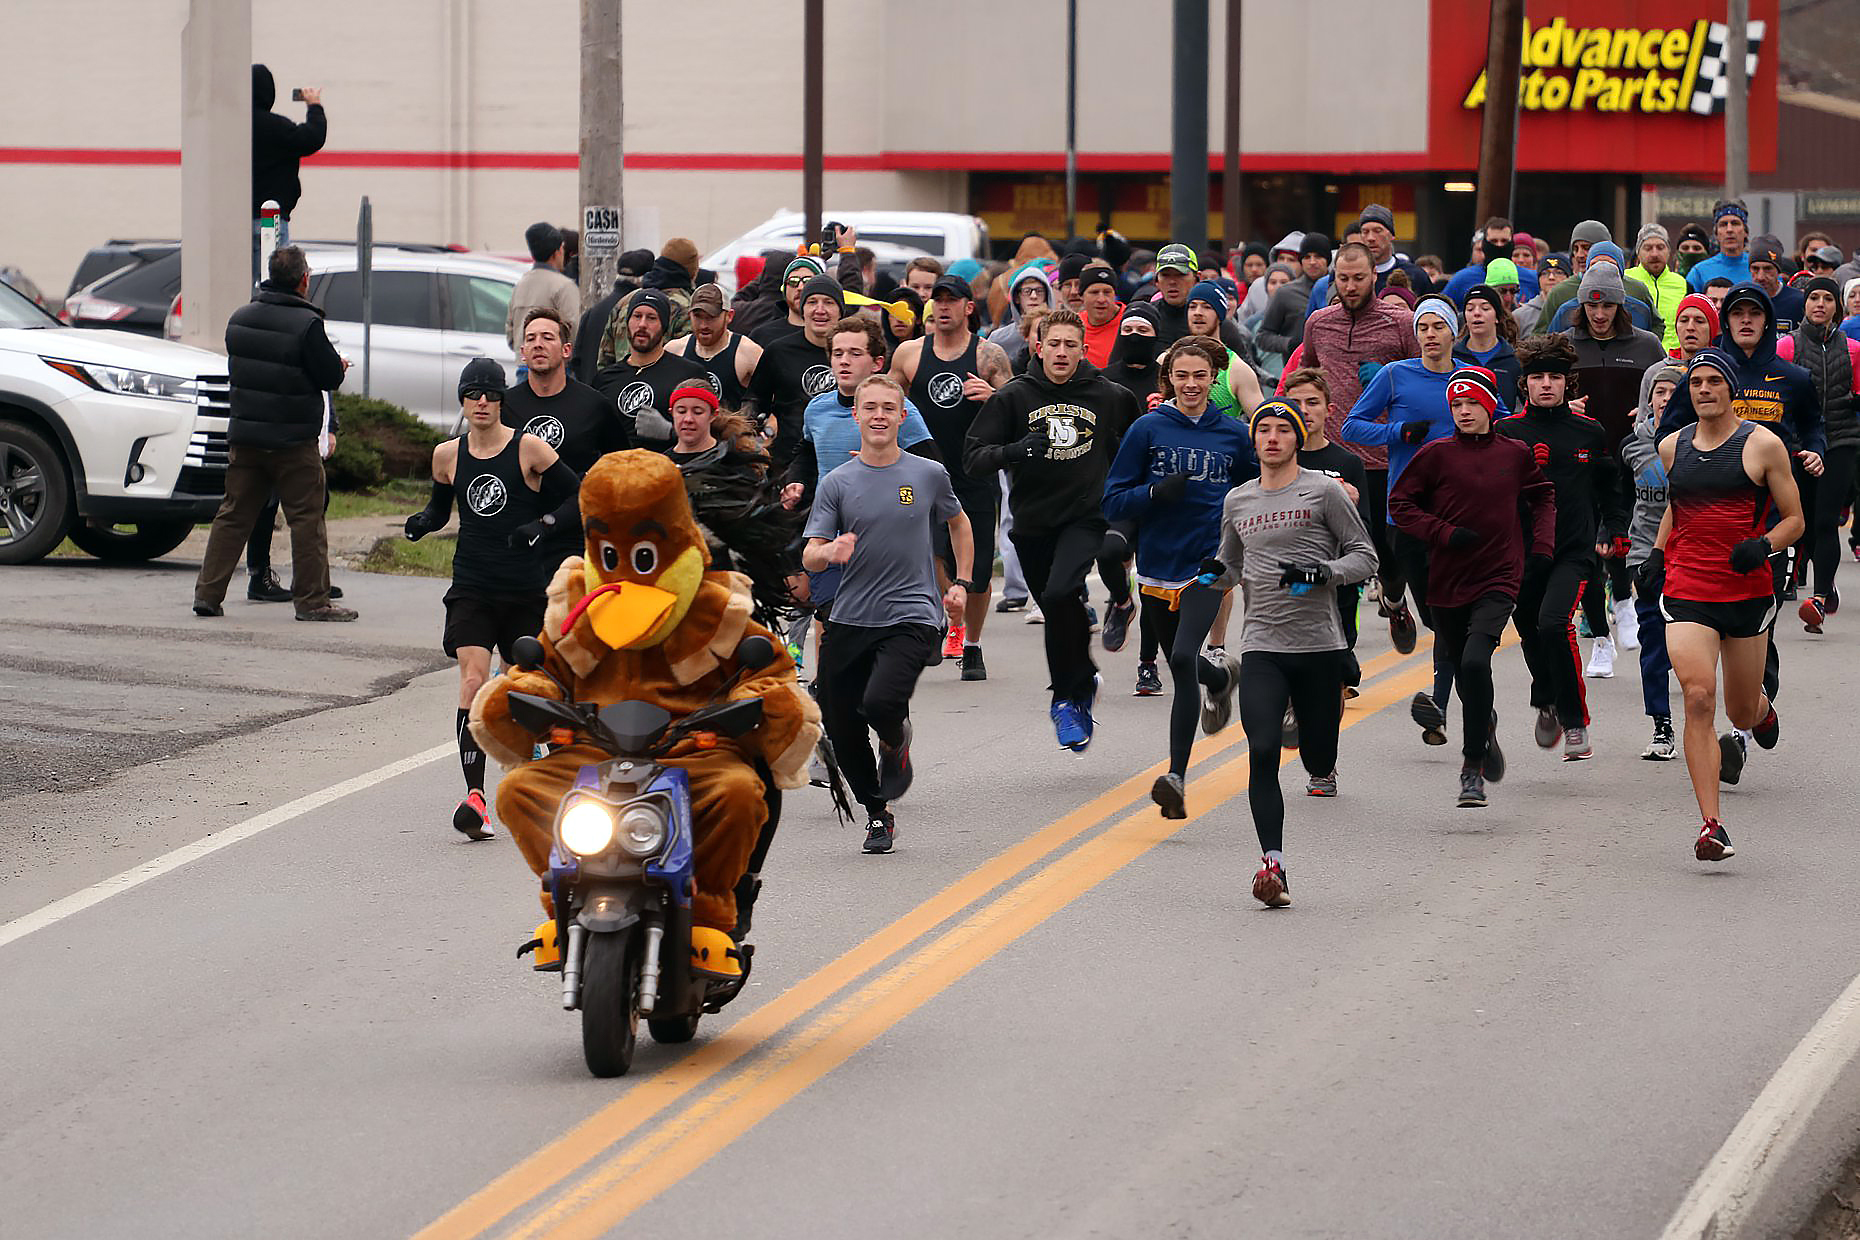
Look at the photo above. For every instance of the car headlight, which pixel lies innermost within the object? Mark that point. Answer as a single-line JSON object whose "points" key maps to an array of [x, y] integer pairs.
{"points": [[642, 829], [122, 381], [587, 828]]}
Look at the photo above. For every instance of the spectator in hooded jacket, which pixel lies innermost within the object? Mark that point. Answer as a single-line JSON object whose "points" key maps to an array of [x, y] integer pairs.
{"points": [[278, 144], [1282, 327], [1028, 290]]}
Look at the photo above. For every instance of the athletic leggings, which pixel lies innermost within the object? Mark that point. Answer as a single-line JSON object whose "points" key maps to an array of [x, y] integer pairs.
{"points": [[1833, 492], [1546, 607], [1311, 683], [1182, 631], [1467, 636], [1413, 554], [1389, 567]]}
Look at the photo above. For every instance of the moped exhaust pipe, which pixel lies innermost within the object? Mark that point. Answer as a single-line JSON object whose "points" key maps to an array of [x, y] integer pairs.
{"points": [[649, 969], [571, 966]]}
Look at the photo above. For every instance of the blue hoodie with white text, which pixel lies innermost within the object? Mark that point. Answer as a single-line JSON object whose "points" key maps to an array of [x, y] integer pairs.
{"points": [[1214, 450]]}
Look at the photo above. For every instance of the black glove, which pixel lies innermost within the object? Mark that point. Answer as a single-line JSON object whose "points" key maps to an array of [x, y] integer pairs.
{"points": [[1651, 576], [1536, 567], [1750, 554], [1212, 570], [1302, 574], [1032, 444], [1170, 489], [1415, 432], [1462, 539], [529, 533], [419, 525]]}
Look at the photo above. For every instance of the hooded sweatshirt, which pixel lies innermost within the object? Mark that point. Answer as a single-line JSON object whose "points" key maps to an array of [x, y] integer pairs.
{"points": [[1779, 394], [278, 144], [1085, 417], [1640, 451], [1215, 451], [1008, 335]]}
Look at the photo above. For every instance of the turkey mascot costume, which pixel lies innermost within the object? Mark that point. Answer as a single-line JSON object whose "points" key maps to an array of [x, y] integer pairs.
{"points": [[641, 618]]}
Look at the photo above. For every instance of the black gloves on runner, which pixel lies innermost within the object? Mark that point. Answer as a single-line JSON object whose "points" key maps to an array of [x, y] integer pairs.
{"points": [[1462, 539], [1213, 570], [527, 534], [1750, 554], [1302, 574], [1415, 432], [437, 512], [1651, 576], [1170, 489], [1032, 444]]}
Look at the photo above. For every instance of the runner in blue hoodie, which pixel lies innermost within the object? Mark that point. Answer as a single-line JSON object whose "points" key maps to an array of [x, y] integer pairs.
{"points": [[1173, 471], [1403, 407]]}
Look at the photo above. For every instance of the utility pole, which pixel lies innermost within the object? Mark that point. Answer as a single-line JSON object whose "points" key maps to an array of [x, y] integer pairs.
{"points": [[603, 202], [1231, 233], [1072, 119], [1498, 130], [1737, 100], [1188, 163], [812, 105], [216, 168]]}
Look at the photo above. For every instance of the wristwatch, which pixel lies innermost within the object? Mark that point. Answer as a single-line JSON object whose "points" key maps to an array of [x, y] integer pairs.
{"points": [[968, 586]]}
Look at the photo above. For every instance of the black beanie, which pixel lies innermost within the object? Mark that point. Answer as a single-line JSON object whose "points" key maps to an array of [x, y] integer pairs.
{"points": [[1116, 249], [660, 303], [481, 374], [1824, 283], [824, 286]]}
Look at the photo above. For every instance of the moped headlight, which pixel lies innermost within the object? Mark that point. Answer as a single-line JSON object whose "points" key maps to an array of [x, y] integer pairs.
{"points": [[587, 828], [642, 830]]}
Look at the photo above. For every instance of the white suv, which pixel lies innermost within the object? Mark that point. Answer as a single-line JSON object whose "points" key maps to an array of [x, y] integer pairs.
{"points": [[117, 439], [941, 234]]}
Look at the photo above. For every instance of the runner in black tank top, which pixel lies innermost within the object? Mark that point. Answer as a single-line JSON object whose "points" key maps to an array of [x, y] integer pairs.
{"points": [[722, 369], [512, 491], [936, 390]]}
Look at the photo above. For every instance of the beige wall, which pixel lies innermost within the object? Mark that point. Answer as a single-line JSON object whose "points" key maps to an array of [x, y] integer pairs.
{"points": [[723, 78]]}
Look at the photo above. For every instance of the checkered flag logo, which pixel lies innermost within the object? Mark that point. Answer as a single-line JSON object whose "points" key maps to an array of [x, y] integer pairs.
{"points": [[1708, 94]]}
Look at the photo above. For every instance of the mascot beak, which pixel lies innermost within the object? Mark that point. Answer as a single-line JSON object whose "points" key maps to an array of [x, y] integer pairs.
{"points": [[622, 616]]}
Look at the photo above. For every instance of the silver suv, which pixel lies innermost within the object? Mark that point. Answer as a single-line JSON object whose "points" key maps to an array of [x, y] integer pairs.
{"points": [[116, 439]]}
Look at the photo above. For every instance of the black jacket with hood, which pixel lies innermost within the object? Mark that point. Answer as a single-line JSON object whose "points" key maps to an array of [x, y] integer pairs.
{"points": [[1085, 418], [1779, 394], [277, 144], [280, 362]]}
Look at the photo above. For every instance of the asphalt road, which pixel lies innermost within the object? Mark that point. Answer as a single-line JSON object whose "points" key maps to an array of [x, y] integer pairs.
{"points": [[1047, 1014]]}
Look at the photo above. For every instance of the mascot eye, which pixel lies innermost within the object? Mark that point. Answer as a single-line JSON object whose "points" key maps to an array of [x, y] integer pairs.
{"points": [[610, 557], [645, 557]]}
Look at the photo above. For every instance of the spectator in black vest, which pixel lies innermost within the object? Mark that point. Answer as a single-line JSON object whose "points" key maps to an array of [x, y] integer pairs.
{"points": [[281, 363]]}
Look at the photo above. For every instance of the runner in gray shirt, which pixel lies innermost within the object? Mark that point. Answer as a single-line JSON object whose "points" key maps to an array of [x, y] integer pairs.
{"points": [[877, 515], [1289, 538]]}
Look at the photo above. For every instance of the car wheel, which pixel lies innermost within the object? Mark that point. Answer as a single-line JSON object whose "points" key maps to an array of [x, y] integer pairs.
{"points": [[35, 495], [131, 544]]}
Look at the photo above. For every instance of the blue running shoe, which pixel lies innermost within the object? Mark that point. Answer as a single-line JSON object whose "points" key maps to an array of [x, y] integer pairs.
{"points": [[1071, 726]]}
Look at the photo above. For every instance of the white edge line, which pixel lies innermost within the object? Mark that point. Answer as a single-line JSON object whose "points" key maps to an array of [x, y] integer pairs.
{"points": [[168, 862], [1737, 1173]]}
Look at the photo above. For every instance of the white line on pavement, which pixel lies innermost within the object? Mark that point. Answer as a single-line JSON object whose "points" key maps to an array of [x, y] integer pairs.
{"points": [[1734, 1178], [97, 893]]}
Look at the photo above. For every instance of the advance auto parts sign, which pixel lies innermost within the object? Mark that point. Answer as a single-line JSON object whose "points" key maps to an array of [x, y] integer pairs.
{"points": [[1623, 68], [1634, 86]]}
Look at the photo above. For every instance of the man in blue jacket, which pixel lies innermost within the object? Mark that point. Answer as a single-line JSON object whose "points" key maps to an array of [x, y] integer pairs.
{"points": [[1730, 226], [1172, 473]]}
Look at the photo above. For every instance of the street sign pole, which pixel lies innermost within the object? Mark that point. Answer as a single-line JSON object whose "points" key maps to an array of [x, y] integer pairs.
{"points": [[365, 272]]}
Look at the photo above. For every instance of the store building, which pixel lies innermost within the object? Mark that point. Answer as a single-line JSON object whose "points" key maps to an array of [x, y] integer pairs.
{"points": [[459, 118]]}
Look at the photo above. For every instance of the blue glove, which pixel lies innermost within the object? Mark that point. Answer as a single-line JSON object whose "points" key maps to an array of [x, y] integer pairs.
{"points": [[1211, 571]]}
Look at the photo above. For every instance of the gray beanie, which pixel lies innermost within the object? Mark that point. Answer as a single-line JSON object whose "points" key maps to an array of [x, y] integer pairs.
{"points": [[1651, 230], [1590, 231], [1601, 285]]}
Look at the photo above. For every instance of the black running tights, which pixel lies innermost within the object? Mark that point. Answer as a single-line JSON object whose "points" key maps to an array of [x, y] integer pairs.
{"points": [[1181, 633], [1311, 683]]}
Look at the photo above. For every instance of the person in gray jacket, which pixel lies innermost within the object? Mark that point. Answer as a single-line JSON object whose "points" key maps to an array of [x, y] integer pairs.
{"points": [[1282, 327], [1640, 451]]}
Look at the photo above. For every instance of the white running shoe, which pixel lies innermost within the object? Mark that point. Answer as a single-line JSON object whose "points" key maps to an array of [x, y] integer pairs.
{"points": [[1035, 615], [1602, 659], [1627, 625]]}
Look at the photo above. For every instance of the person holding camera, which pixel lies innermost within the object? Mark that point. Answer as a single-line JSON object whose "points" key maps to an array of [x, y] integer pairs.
{"points": [[278, 145]]}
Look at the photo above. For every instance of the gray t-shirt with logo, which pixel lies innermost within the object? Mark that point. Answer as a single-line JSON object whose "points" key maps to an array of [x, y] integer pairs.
{"points": [[1309, 521], [894, 510]]}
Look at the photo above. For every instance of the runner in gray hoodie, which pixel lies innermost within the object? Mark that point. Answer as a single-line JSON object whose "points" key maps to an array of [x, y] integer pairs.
{"points": [[1640, 451], [1008, 335]]}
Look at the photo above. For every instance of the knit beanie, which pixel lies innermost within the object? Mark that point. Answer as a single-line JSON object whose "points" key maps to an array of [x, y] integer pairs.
{"points": [[1719, 360], [1608, 252], [1487, 294], [1280, 409], [806, 264], [1590, 231], [1477, 383], [1654, 231], [684, 252], [1601, 286], [825, 286], [1501, 272], [660, 303], [481, 374], [1210, 292], [1701, 303]]}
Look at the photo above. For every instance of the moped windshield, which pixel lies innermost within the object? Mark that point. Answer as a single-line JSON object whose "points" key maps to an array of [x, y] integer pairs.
{"points": [[636, 725]]}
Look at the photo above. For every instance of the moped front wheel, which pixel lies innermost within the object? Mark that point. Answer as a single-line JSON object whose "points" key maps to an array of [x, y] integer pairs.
{"points": [[610, 1002]]}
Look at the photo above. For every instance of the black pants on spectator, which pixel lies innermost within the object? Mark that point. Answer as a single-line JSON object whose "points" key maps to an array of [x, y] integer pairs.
{"points": [[1055, 563]]}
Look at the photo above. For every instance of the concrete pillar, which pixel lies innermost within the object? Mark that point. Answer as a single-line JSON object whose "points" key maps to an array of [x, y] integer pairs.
{"points": [[216, 168]]}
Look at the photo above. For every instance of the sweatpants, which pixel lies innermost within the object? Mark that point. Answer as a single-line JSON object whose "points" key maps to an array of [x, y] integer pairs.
{"points": [[1120, 548], [867, 676], [1467, 636], [1544, 620], [1834, 491], [1311, 683], [1182, 631], [1055, 563], [1655, 667]]}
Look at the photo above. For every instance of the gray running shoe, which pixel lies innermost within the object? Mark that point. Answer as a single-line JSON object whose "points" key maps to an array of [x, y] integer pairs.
{"points": [[1576, 745], [1218, 708]]}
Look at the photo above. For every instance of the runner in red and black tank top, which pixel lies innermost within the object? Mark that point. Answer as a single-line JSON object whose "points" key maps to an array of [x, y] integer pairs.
{"points": [[1715, 506]]}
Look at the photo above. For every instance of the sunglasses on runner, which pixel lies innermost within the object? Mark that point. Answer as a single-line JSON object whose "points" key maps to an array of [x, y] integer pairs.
{"points": [[490, 394]]}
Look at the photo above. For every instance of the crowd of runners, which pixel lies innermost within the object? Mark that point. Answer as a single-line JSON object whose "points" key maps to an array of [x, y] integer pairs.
{"points": [[1648, 445]]}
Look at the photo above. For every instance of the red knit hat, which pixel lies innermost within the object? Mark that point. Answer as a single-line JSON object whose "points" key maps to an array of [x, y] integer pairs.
{"points": [[1475, 382]]}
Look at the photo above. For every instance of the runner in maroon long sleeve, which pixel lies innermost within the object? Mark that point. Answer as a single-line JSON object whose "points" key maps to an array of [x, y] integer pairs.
{"points": [[1460, 496]]}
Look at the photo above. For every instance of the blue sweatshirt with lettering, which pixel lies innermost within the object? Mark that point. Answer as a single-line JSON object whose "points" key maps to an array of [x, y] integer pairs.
{"points": [[1174, 537]]}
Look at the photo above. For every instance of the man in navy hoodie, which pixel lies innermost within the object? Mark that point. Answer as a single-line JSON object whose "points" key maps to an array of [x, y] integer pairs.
{"points": [[1782, 396]]}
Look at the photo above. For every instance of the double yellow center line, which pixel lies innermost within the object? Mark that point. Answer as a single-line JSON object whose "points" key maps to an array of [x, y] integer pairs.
{"points": [[612, 1189]]}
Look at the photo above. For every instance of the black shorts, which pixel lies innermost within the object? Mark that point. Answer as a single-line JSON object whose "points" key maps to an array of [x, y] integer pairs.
{"points": [[1748, 617], [981, 502], [493, 621]]}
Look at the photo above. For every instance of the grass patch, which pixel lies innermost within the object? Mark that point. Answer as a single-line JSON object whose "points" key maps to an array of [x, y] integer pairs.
{"points": [[394, 498], [430, 557]]}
